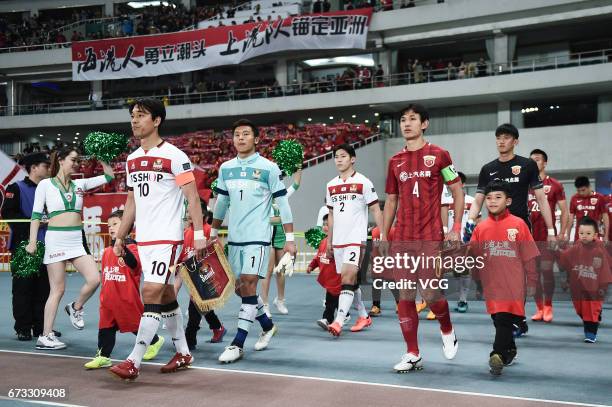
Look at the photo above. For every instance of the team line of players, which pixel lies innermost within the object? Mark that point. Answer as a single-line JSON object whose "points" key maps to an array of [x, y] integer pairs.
{"points": [[249, 184]]}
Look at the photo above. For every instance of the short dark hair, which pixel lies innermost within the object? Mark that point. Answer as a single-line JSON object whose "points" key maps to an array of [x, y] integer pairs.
{"points": [[541, 152], [507, 128], [245, 122], [581, 181], [462, 177], [346, 147], [325, 217], [498, 186], [587, 221], [150, 105], [418, 109], [116, 214]]}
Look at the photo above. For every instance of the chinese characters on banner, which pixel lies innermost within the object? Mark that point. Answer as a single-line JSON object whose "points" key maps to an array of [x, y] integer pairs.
{"points": [[154, 55]]}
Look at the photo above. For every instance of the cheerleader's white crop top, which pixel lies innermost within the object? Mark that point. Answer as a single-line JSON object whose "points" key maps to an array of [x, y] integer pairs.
{"points": [[51, 193]]}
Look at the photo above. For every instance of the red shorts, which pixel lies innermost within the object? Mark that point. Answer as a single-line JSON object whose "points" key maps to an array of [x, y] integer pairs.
{"points": [[125, 317], [588, 310], [415, 260]]}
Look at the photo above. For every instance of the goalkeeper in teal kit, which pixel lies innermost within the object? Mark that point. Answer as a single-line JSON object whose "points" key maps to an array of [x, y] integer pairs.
{"points": [[246, 187]]}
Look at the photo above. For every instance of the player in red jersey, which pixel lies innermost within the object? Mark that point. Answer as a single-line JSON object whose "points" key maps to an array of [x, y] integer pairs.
{"points": [[415, 180], [587, 202], [120, 303], [556, 198]]}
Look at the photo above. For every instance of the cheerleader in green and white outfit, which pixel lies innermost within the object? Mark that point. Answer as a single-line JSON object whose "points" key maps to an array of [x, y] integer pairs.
{"points": [[278, 243]]}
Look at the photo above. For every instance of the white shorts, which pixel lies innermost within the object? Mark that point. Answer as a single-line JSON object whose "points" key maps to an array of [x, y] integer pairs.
{"points": [[156, 261], [347, 255], [63, 245]]}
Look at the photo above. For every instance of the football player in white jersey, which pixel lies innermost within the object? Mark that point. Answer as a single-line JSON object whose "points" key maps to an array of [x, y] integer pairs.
{"points": [[448, 218], [348, 197], [160, 179]]}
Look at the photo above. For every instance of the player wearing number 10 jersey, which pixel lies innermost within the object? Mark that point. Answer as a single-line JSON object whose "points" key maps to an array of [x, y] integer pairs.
{"points": [[415, 180], [160, 179]]}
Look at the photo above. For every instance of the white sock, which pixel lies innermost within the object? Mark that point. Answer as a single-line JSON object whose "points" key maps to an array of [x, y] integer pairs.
{"points": [[464, 287], [149, 323], [174, 326], [358, 303], [344, 305], [246, 316]]}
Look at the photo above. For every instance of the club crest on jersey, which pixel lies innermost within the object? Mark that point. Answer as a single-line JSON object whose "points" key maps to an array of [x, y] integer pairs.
{"points": [[429, 160], [593, 201], [121, 262], [516, 169], [158, 165], [353, 188], [343, 189], [143, 163], [547, 188], [512, 233], [243, 173], [597, 262], [68, 197], [256, 174], [403, 176]]}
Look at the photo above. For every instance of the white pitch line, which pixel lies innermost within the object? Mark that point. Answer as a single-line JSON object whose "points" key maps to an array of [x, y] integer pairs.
{"points": [[46, 403], [324, 379]]}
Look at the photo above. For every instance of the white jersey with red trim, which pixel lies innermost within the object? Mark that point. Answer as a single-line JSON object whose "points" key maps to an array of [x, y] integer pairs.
{"points": [[349, 201], [156, 177], [447, 200]]}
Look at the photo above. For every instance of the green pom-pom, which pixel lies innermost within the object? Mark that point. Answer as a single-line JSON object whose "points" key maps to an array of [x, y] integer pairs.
{"points": [[24, 264], [289, 156], [214, 184], [314, 237], [105, 146]]}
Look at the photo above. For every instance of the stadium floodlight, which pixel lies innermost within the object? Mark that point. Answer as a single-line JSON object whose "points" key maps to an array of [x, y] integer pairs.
{"points": [[58, 139], [310, 119], [59, 134], [376, 114], [351, 60], [367, 121], [354, 116], [331, 117], [40, 135], [142, 4], [77, 133]]}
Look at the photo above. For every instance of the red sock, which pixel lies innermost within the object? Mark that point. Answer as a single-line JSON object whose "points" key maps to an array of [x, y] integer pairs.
{"points": [[440, 308], [548, 302], [409, 324], [539, 305]]}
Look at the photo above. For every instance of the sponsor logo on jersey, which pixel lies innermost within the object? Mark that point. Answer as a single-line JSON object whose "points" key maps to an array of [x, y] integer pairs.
{"points": [[512, 233], [403, 176], [516, 169], [593, 201], [256, 174], [231, 175], [158, 165], [144, 163], [133, 166], [429, 160], [597, 262], [547, 189], [243, 173], [187, 166], [343, 189]]}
